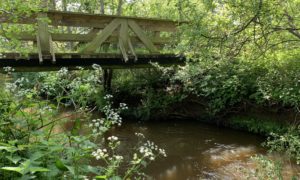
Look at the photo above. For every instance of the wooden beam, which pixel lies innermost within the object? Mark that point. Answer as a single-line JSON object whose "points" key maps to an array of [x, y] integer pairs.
{"points": [[141, 35], [88, 37], [43, 34], [52, 50], [59, 18], [101, 37], [123, 39], [73, 60], [100, 20]]}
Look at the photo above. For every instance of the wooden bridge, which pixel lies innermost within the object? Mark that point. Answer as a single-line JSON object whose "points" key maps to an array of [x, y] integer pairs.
{"points": [[110, 41]]}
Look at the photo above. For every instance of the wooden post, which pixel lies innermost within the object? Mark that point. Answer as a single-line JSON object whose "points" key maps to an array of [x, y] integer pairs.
{"points": [[107, 78], [43, 37]]}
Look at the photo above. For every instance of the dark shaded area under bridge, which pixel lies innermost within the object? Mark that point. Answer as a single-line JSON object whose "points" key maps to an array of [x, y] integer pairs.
{"points": [[72, 60]]}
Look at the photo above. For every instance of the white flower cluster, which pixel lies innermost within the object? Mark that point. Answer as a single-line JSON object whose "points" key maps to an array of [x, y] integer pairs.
{"points": [[8, 69], [154, 147], [100, 154], [79, 68], [118, 158], [17, 87], [20, 82], [96, 67], [148, 150], [103, 153], [113, 142], [123, 106], [10, 87], [107, 97], [139, 135], [112, 138], [114, 117], [46, 109], [98, 125], [63, 71]]}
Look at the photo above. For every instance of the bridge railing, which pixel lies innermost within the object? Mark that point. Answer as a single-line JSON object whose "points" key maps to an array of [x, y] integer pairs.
{"points": [[90, 34]]}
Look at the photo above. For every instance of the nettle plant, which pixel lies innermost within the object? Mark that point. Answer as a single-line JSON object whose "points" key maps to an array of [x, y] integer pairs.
{"points": [[32, 147]]}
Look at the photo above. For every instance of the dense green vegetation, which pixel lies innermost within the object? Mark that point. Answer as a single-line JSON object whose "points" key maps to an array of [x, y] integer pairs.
{"points": [[34, 145], [241, 55]]}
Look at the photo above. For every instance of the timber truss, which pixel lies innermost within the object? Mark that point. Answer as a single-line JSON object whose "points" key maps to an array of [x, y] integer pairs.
{"points": [[111, 41]]}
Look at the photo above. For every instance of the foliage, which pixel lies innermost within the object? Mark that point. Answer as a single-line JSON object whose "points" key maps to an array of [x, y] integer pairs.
{"points": [[67, 87], [265, 169], [31, 147], [288, 143], [225, 84], [281, 84], [258, 126], [150, 93]]}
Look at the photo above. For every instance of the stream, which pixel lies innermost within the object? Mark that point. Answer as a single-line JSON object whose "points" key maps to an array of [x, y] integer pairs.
{"points": [[196, 150]]}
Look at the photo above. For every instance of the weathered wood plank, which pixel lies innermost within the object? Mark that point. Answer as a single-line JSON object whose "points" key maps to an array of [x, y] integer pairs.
{"points": [[95, 20], [52, 50], [141, 35], [88, 37], [123, 39], [101, 37], [124, 34], [99, 21], [43, 34]]}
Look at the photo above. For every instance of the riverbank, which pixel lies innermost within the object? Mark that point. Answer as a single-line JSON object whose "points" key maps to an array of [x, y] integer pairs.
{"points": [[247, 117]]}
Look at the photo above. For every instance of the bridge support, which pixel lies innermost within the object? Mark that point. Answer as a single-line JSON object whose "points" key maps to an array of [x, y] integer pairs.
{"points": [[107, 78]]}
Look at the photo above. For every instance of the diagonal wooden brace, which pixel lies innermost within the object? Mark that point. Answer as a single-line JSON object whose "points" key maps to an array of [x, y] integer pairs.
{"points": [[102, 36], [142, 36]]}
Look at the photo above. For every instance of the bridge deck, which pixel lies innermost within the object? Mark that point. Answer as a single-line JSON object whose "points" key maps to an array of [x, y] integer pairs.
{"points": [[31, 62]]}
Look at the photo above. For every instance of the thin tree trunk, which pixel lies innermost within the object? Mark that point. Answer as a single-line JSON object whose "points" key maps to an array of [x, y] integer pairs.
{"points": [[102, 7], [119, 10], [64, 6], [44, 4], [179, 6], [53, 4]]}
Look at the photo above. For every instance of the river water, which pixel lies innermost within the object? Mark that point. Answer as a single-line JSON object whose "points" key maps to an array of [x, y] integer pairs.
{"points": [[194, 150], [200, 151]]}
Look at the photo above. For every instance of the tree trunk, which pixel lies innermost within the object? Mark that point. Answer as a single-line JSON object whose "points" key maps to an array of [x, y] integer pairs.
{"points": [[179, 6], [64, 6], [53, 4], [102, 7], [119, 10], [44, 4]]}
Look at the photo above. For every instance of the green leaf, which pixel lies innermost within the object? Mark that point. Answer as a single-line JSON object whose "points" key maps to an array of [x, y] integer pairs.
{"points": [[35, 156], [15, 169], [115, 178], [14, 159], [101, 177], [7, 147], [71, 169], [38, 169], [60, 165]]}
